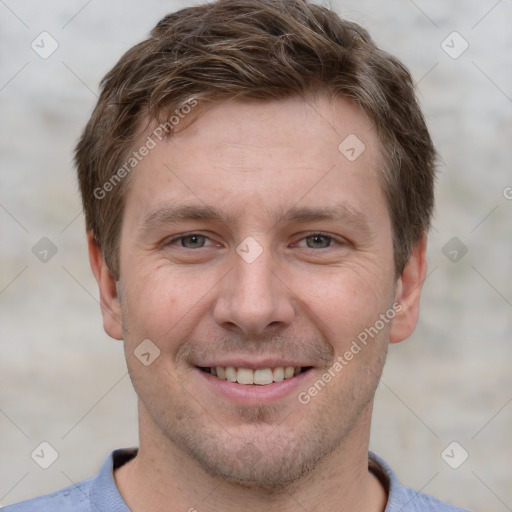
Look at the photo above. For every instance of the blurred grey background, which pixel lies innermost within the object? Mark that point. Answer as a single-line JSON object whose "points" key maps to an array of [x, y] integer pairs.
{"points": [[64, 382]]}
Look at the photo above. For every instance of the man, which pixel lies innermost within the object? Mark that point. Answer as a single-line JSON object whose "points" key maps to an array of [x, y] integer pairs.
{"points": [[257, 180]]}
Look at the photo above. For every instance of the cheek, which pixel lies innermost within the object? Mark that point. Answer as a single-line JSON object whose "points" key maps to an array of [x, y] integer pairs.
{"points": [[347, 301], [165, 306], [152, 306]]}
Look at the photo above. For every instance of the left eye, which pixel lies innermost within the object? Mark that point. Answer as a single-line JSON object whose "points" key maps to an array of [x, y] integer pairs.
{"points": [[317, 241], [190, 241]]}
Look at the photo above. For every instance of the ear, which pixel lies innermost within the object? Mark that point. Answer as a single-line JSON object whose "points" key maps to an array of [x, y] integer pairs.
{"points": [[408, 291], [109, 300]]}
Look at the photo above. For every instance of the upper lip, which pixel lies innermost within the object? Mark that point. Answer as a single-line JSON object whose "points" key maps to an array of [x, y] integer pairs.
{"points": [[252, 363]]}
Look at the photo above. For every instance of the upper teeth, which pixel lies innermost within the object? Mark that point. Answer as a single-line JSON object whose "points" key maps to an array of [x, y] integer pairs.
{"points": [[261, 376]]}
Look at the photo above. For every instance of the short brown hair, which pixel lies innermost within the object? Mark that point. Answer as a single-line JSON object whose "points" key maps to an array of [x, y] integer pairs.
{"points": [[255, 50]]}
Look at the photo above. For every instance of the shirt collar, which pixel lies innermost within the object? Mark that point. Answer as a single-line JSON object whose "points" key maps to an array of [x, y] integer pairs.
{"points": [[105, 496]]}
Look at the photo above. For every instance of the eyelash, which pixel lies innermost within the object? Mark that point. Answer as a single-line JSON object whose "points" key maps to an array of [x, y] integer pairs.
{"points": [[308, 235]]}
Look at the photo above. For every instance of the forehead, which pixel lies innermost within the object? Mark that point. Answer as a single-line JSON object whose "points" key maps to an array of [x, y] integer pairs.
{"points": [[262, 158]]}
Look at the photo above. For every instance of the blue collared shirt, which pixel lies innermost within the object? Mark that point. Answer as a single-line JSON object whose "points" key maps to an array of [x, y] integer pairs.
{"points": [[100, 494]]}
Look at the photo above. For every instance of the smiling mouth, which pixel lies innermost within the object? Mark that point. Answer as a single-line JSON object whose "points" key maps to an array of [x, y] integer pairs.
{"points": [[259, 377]]}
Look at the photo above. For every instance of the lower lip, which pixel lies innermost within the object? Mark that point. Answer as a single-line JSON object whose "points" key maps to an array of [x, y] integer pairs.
{"points": [[253, 394]]}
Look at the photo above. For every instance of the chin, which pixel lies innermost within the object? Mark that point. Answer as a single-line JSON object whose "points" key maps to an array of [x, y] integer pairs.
{"points": [[261, 457], [271, 470]]}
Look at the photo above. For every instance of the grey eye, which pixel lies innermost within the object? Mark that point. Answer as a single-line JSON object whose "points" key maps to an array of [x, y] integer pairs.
{"points": [[196, 241], [318, 241]]}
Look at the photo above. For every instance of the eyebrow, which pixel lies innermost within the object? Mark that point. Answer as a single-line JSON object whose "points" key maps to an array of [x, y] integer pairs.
{"points": [[341, 212], [172, 214]]}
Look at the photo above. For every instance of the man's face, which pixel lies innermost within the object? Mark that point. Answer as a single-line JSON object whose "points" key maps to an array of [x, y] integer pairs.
{"points": [[297, 263]]}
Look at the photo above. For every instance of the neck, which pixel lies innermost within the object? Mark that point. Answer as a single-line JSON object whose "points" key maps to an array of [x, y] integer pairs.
{"points": [[161, 474]]}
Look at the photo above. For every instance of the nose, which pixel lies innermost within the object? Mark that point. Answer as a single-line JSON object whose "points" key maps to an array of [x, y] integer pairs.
{"points": [[254, 298]]}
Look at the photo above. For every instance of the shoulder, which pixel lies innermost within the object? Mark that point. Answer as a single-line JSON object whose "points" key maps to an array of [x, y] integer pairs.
{"points": [[403, 499], [75, 498], [414, 501], [96, 494]]}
